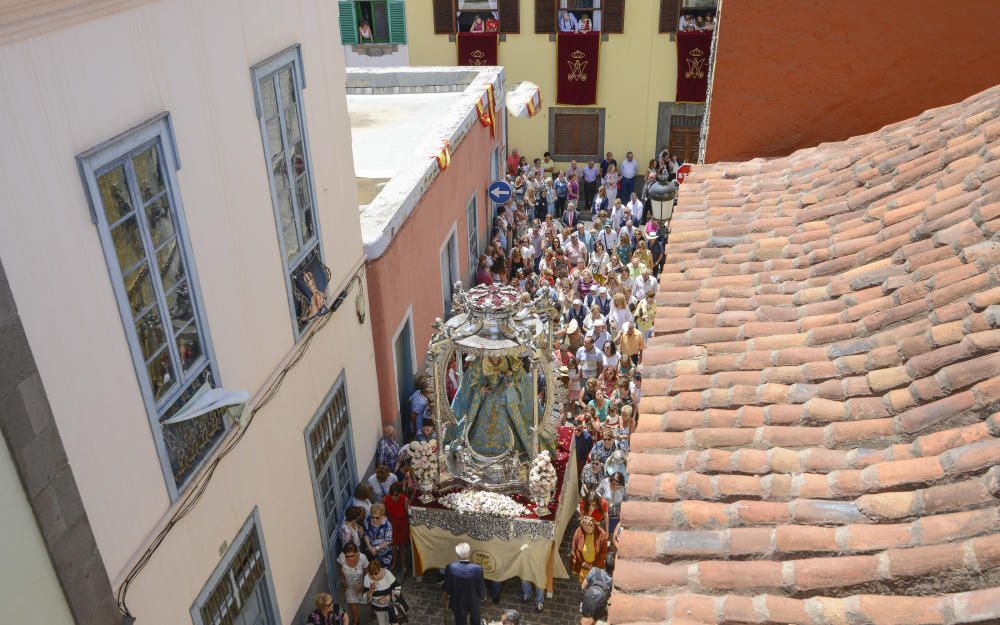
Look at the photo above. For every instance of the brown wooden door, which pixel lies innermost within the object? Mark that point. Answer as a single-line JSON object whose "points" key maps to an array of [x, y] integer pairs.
{"points": [[685, 133]]}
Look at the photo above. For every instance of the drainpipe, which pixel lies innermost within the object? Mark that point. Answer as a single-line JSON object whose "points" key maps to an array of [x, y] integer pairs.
{"points": [[703, 139]]}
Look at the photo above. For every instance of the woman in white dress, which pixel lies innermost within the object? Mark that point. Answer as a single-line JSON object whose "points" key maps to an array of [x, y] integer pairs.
{"points": [[353, 566], [599, 261], [611, 180]]}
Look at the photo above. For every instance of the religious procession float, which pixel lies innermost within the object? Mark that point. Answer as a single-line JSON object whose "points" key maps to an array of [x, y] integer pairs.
{"points": [[501, 474]]}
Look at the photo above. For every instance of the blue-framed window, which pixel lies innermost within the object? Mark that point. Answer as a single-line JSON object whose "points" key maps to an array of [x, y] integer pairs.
{"points": [[332, 466], [472, 223], [278, 83], [240, 591], [136, 206]]}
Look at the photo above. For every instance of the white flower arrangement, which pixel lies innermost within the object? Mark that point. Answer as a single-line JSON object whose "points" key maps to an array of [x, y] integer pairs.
{"points": [[542, 477], [483, 502], [423, 456]]}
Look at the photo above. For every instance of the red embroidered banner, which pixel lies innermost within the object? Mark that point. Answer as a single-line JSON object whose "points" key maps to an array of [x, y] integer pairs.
{"points": [[576, 68], [692, 66], [477, 48]]}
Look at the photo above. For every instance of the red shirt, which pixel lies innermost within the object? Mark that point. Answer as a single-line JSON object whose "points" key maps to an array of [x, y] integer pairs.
{"points": [[492, 25], [599, 512], [513, 162]]}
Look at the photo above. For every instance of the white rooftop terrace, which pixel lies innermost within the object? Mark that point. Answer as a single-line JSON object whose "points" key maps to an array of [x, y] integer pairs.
{"points": [[399, 119]]}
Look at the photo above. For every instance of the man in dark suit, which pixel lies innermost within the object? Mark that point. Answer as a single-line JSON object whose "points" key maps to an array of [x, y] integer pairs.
{"points": [[570, 217], [466, 587]]}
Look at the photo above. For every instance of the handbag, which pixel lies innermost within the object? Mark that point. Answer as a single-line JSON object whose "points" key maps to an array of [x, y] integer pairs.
{"points": [[398, 609]]}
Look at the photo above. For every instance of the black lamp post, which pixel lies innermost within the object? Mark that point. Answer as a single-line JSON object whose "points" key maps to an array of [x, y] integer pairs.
{"points": [[662, 195]]}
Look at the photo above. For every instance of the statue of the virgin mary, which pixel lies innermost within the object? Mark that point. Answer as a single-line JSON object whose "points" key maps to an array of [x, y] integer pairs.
{"points": [[493, 407]]}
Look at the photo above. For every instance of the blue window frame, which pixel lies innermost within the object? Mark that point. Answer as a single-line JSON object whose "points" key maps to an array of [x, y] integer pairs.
{"points": [[332, 466], [136, 205], [278, 83], [240, 591]]}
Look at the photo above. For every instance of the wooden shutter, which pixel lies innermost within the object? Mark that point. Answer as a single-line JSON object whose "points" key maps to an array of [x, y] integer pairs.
{"points": [[348, 23], [510, 16], [397, 21], [545, 17], [670, 11], [577, 134], [613, 16], [444, 17]]}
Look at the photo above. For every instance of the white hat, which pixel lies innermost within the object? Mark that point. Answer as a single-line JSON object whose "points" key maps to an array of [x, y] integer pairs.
{"points": [[602, 289], [578, 302], [599, 321], [572, 327]]}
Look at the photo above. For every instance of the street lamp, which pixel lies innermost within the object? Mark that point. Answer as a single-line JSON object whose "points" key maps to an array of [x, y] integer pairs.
{"points": [[662, 195]]}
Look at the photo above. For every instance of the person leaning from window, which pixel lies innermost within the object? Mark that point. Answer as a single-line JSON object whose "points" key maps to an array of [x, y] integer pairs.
{"points": [[477, 25], [327, 612], [492, 23], [365, 32], [567, 22]]}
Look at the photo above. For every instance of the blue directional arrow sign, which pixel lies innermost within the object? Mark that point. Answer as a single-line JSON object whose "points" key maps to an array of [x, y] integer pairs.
{"points": [[500, 191]]}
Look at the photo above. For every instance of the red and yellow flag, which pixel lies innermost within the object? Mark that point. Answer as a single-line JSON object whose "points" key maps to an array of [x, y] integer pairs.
{"points": [[443, 156], [487, 111]]}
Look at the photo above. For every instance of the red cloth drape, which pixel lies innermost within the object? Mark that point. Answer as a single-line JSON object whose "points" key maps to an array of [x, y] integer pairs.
{"points": [[692, 66], [576, 68], [477, 48]]}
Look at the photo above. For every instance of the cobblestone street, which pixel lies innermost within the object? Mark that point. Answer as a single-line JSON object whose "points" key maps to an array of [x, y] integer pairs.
{"points": [[427, 607]]}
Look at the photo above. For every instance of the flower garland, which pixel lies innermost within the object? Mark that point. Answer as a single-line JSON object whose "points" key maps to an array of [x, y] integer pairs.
{"points": [[483, 502]]}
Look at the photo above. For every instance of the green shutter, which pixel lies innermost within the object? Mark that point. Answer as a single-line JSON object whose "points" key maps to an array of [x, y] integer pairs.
{"points": [[397, 21], [348, 23]]}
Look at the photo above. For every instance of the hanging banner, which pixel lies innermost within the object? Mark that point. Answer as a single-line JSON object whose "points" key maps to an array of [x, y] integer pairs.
{"points": [[477, 48], [692, 66], [576, 68]]}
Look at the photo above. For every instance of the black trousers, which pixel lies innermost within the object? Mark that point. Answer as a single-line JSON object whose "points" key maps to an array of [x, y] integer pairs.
{"points": [[560, 206], [467, 617], [587, 196]]}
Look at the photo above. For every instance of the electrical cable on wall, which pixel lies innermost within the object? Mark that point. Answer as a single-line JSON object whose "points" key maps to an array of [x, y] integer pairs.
{"points": [[200, 485]]}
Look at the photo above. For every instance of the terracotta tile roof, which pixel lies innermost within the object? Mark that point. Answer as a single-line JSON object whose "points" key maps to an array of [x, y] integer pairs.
{"points": [[819, 441]]}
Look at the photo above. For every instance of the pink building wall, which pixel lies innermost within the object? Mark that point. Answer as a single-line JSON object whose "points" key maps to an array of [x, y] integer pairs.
{"points": [[409, 272]]}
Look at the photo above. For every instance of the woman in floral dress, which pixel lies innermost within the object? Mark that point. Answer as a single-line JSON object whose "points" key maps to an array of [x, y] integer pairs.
{"points": [[352, 531], [378, 535]]}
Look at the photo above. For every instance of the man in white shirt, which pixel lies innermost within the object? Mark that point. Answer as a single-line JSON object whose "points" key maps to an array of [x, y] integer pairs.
{"points": [[599, 334], [535, 237], [567, 22], [646, 283], [585, 237], [576, 249], [629, 229], [629, 168], [608, 237], [589, 358], [635, 208], [618, 215]]}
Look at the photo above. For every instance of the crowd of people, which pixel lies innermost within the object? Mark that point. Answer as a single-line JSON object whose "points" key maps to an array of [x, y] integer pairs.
{"points": [[599, 266], [696, 23]]}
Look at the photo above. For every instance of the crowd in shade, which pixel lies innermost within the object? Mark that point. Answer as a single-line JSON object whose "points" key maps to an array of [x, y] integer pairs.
{"points": [[583, 236]]}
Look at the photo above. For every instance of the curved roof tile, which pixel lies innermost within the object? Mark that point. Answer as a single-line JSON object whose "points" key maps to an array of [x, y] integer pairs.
{"points": [[818, 441]]}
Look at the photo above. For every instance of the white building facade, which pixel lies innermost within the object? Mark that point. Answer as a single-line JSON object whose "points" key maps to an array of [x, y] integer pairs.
{"points": [[179, 194]]}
